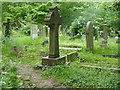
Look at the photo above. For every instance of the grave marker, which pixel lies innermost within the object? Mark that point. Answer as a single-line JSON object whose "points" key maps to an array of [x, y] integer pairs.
{"points": [[53, 21], [89, 36], [43, 31], [105, 36], [34, 31]]}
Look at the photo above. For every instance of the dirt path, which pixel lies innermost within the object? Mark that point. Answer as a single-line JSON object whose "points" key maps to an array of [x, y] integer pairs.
{"points": [[33, 78]]}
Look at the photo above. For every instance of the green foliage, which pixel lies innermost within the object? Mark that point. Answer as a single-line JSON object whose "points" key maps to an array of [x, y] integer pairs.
{"points": [[22, 14], [73, 76], [70, 10], [76, 14], [98, 14], [9, 77], [78, 77]]}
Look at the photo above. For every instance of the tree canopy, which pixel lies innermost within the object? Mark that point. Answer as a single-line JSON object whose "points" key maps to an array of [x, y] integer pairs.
{"points": [[73, 14]]}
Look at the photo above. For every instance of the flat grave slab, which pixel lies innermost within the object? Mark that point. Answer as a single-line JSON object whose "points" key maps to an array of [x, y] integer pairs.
{"points": [[68, 48], [110, 55], [98, 67], [74, 44]]}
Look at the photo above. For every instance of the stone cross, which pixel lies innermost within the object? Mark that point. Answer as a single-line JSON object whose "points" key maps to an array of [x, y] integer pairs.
{"points": [[105, 36], [89, 36], [53, 21], [34, 33]]}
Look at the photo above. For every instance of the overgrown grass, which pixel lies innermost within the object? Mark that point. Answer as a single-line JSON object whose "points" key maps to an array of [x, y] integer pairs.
{"points": [[112, 49], [74, 75], [98, 60], [9, 77]]}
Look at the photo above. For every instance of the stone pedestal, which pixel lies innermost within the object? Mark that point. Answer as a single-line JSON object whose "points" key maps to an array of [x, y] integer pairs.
{"points": [[53, 61]]}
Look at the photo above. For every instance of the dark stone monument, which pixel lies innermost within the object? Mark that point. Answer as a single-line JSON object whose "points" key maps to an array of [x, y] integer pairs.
{"points": [[89, 36], [53, 21]]}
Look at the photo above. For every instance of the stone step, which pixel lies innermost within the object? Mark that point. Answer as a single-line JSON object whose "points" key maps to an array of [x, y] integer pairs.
{"points": [[72, 46], [110, 55]]}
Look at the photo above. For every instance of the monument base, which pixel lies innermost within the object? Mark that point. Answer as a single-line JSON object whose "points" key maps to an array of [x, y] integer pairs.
{"points": [[53, 61]]}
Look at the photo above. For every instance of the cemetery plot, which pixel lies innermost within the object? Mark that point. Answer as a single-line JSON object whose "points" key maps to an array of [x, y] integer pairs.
{"points": [[35, 51], [53, 51]]}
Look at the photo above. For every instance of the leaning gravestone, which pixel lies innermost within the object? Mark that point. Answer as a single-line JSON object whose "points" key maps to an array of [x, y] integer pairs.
{"points": [[53, 21], [105, 36], [89, 36], [34, 31]]}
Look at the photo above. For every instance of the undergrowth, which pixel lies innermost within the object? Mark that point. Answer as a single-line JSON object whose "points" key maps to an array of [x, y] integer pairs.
{"points": [[74, 75], [79, 77]]}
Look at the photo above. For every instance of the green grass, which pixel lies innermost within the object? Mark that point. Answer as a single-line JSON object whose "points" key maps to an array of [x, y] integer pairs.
{"points": [[8, 76], [74, 75]]}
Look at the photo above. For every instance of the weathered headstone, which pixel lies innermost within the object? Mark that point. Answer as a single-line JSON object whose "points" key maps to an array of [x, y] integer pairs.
{"points": [[105, 36], [53, 21], [34, 31], [89, 36], [42, 30]]}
